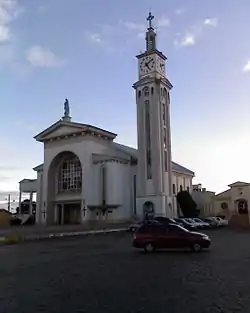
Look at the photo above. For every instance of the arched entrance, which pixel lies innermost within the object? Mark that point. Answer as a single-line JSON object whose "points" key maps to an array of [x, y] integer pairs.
{"points": [[148, 210], [64, 189], [242, 206]]}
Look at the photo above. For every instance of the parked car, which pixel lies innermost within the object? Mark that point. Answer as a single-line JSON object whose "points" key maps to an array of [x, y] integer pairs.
{"points": [[166, 220], [186, 224], [222, 222], [214, 221], [150, 237], [192, 222], [203, 223], [199, 223], [211, 222]]}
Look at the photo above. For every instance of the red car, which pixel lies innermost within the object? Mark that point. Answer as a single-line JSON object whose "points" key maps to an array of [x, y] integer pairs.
{"points": [[153, 237]]}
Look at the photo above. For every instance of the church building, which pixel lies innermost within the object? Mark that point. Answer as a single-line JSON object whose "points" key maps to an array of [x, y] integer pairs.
{"points": [[87, 176]]}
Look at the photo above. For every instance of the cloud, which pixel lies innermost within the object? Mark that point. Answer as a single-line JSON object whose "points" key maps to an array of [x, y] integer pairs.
{"points": [[42, 8], [188, 40], [108, 37], [9, 11], [5, 178], [4, 194], [180, 11], [95, 38], [10, 59], [122, 33], [4, 34], [25, 125], [38, 56], [211, 22], [246, 68], [163, 22], [191, 36], [134, 26], [7, 168]]}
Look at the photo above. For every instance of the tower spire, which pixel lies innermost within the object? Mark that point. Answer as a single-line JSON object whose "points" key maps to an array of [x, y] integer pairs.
{"points": [[150, 34]]}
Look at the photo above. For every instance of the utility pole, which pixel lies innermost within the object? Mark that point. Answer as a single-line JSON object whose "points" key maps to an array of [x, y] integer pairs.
{"points": [[9, 202]]}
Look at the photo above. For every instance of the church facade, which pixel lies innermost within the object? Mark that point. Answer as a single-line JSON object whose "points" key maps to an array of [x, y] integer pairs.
{"points": [[87, 176]]}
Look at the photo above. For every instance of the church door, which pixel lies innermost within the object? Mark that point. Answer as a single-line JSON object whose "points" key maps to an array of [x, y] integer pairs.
{"points": [[148, 210]]}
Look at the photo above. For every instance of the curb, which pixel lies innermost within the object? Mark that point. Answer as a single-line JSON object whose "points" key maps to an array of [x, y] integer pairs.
{"points": [[14, 239]]}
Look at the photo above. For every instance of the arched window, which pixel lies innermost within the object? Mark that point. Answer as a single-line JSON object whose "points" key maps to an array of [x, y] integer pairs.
{"points": [[139, 94], [103, 184], [164, 113], [168, 98], [181, 188], [70, 175], [148, 139], [242, 207], [152, 90], [145, 91], [165, 93], [224, 205]]}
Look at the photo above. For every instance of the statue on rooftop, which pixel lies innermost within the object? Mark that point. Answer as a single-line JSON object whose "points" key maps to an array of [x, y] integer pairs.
{"points": [[66, 108]]}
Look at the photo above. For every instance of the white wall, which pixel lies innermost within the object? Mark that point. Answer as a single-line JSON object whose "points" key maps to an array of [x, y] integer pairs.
{"points": [[83, 147], [39, 197], [119, 175], [182, 180], [28, 185]]}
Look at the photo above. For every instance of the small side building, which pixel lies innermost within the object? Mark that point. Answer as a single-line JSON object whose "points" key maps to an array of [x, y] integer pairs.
{"points": [[204, 200], [234, 203]]}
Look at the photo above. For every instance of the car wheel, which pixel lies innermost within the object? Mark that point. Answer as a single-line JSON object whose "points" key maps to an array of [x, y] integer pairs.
{"points": [[149, 247], [196, 247]]}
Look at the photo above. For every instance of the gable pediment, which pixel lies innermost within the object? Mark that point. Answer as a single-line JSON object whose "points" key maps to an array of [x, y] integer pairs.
{"points": [[67, 128], [239, 184], [64, 130]]}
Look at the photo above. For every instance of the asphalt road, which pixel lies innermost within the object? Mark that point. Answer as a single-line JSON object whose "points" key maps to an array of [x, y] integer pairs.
{"points": [[103, 274]]}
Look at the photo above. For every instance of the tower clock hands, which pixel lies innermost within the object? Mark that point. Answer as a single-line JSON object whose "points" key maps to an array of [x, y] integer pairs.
{"points": [[147, 64]]}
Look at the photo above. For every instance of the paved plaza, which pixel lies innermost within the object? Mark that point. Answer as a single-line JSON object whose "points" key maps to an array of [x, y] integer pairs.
{"points": [[102, 273]]}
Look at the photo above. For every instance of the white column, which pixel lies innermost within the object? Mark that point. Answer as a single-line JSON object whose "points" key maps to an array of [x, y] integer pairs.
{"points": [[31, 200], [62, 214], [20, 199], [56, 213], [83, 211]]}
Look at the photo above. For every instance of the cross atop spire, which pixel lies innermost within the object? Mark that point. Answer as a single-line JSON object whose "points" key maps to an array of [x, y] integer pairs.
{"points": [[150, 34], [150, 19]]}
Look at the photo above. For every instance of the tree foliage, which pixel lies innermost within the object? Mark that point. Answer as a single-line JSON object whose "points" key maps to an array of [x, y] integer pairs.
{"points": [[25, 207], [187, 204]]}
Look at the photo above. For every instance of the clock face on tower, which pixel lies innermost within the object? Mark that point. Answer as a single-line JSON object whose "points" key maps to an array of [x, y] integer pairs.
{"points": [[147, 65], [160, 66]]}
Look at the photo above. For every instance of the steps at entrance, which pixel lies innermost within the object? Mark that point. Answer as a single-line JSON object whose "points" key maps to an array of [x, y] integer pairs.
{"points": [[239, 222]]}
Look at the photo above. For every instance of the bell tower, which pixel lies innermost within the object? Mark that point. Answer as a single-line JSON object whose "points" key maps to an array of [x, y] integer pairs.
{"points": [[154, 168]]}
